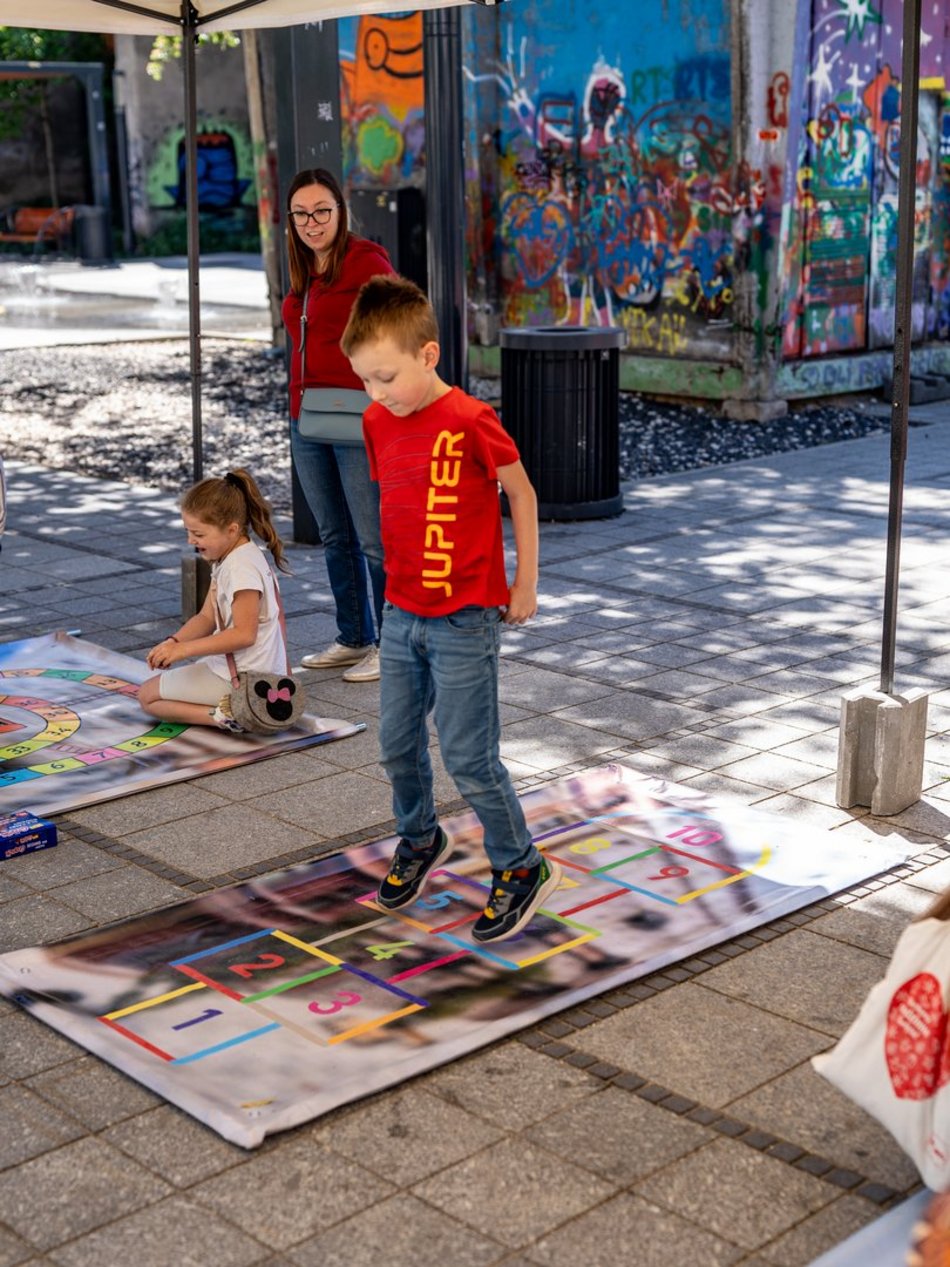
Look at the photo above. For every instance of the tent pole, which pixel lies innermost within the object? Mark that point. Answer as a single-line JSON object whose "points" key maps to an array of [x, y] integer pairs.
{"points": [[903, 328], [445, 188], [189, 30]]}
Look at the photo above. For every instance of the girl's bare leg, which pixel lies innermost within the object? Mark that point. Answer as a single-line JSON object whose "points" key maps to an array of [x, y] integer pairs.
{"points": [[173, 709]]}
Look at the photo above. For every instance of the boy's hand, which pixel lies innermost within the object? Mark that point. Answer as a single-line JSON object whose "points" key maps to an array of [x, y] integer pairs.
{"points": [[165, 654], [522, 603]]}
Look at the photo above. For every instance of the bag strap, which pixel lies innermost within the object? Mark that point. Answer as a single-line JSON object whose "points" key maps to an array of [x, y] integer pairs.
{"points": [[281, 620], [303, 332]]}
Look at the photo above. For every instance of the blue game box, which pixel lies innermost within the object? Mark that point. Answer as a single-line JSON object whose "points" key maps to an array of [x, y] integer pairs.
{"points": [[22, 832]]}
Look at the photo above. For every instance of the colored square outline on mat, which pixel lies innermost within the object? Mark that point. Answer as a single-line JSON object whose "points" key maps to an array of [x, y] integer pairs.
{"points": [[495, 951], [206, 1007], [444, 900], [582, 891], [325, 999], [384, 950], [730, 876], [274, 969]]}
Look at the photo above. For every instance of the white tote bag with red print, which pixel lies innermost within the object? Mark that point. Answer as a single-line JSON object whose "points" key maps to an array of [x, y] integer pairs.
{"points": [[894, 1061]]}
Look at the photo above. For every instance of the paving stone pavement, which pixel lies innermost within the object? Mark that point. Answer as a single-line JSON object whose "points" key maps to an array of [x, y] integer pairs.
{"points": [[707, 635]]}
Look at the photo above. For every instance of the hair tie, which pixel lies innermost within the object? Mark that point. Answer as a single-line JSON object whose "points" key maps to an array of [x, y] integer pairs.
{"points": [[233, 481]]}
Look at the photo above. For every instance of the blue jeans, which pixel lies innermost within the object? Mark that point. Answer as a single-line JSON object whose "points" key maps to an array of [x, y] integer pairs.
{"points": [[449, 665], [345, 503]]}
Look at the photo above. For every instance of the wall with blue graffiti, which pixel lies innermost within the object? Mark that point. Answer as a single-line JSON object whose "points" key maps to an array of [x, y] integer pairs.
{"points": [[609, 180], [602, 186], [840, 239]]}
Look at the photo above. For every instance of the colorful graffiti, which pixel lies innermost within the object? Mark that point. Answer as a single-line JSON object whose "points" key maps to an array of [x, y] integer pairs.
{"points": [[225, 169], [382, 99], [840, 233], [617, 200]]}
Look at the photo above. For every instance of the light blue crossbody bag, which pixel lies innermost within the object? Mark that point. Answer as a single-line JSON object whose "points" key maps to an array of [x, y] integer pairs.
{"points": [[332, 415]]}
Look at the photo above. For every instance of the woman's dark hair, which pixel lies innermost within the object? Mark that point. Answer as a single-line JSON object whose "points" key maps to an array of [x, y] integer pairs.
{"points": [[301, 258], [235, 498]]}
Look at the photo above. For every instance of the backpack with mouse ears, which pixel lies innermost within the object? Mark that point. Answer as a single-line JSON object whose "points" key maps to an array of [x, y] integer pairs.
{"points": [[265, 703]]}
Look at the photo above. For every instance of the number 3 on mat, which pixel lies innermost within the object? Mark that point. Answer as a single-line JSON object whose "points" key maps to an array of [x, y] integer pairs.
{"points": [[344, 998]]}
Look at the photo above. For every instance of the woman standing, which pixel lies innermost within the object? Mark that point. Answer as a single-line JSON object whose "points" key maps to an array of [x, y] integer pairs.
{"points": [[328, 265]]}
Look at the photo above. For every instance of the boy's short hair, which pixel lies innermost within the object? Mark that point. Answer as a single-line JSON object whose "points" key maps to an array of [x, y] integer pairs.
{"points": [[390, 307]]}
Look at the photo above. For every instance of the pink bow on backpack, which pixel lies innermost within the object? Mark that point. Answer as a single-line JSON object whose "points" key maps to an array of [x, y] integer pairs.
{"points": [[273, 696]]}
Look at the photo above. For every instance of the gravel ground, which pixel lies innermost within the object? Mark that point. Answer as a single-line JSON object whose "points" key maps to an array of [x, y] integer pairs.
{"points": [[124, 412]]}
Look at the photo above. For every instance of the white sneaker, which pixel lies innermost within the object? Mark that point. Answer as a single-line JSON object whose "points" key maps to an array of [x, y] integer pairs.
{"points": [[367, 670], [335, 656]]}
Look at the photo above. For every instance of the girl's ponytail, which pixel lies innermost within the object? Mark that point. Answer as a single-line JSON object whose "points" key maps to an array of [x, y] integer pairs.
{"points": [[258, 514]]}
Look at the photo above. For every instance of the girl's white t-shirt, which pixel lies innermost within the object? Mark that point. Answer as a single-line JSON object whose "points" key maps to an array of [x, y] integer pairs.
{"points": [[246, 568]]}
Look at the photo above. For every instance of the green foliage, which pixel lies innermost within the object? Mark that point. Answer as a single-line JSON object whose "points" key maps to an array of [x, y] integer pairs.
{"points": [[167, 48], [235, 232], [19, 97]]}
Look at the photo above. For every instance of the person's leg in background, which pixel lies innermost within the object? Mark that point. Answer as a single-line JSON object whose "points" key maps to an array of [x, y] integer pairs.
{"points": [[362, 499], [320, 481]]}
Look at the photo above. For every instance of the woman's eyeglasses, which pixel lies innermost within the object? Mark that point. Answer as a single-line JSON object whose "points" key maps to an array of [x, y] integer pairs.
{"points": [[321, 216]]}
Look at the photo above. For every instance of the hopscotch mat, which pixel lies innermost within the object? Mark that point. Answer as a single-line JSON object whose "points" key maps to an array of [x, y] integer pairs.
{"points": [[72, 732], [261, 1006]]}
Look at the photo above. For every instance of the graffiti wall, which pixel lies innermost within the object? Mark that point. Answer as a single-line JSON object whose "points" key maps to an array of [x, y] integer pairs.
{"points": [[382, 91], [602, 182], [841, 235]]}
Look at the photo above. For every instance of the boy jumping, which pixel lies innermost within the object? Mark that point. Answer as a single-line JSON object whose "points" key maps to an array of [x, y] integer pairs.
{"points": [[439, 456]]}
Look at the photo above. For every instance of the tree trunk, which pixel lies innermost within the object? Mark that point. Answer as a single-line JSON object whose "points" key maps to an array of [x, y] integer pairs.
{"points": [[50, 150], [265, 166]]}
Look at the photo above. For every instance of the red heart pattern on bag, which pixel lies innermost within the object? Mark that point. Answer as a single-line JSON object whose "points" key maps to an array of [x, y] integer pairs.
{"points": [[915, 1041]]}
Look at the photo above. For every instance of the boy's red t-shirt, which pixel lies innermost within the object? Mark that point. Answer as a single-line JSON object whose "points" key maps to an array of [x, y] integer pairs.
{"points": [[440, 517]]}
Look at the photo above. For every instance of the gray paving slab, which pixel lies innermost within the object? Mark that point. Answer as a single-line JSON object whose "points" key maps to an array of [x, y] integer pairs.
{"points": [[400, 1232], [214, 844], [291, 1192], [173, 1145], [618, 1136], [30, 1126], [699, 1043], [176, 1231], [530, 1085], [479, 1191], [605, 1236], [71, 860], [13, 1251], [146, 809], [92, 1092], [333, 806], [789, 976], [801, 1106], [37, 918], [119, 894], [73, 1190], [410, 1134], [721, 1188]]}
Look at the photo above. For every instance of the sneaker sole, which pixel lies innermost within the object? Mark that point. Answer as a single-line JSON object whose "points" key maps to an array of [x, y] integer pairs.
{"points": [[545, 891], [338, 662], [407, 901]]}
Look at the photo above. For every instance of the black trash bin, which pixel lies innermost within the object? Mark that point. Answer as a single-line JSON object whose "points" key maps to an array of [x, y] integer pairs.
{"points": [[93, 235], [560, 402]]}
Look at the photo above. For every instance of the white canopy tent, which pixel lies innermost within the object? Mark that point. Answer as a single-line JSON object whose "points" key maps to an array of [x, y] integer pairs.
{"points": [[166, 17], [190, 18]]}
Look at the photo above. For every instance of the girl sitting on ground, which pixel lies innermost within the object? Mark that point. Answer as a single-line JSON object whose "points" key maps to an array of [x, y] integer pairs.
{"points": [[240, 615]]}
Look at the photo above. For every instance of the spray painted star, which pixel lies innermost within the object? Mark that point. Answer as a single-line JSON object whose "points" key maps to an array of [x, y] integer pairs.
{"points": [[858, 13]]}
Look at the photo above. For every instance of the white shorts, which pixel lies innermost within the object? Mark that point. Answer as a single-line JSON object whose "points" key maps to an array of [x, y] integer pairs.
{"points": [[192, 684]]}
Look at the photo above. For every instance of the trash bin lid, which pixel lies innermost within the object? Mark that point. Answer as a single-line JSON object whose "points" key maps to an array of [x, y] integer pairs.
{"points": [[563, 338]]}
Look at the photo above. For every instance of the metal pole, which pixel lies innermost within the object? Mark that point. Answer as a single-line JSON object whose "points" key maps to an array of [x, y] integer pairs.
{"points": [[903, 328], [189, 31], [445, 187]]}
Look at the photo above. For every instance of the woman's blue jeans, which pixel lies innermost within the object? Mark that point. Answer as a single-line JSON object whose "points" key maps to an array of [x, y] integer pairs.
{"points": [[345, 503], [448, 665]]}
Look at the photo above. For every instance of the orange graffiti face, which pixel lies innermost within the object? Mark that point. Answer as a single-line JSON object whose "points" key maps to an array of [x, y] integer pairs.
{"points": [[389, 62]]}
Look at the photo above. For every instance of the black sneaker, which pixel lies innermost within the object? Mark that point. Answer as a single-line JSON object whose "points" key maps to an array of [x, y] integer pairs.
{"points": [[410, 869], [515, 896]]}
